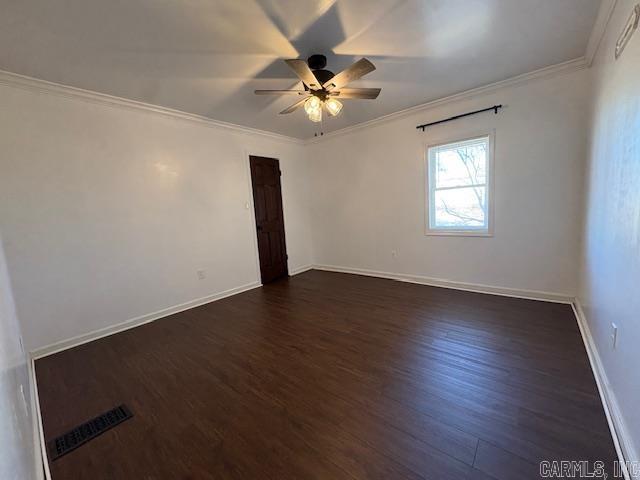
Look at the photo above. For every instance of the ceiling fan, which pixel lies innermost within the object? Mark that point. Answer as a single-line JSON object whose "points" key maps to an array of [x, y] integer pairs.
{"points": [[322, 88]]}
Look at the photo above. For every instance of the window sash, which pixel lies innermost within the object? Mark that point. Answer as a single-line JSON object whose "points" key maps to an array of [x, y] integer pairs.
{"points": [[458, 187], [433, 225]]}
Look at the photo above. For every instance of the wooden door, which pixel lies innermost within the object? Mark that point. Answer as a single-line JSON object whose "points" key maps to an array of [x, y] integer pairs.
{"points": [[267, 202]]}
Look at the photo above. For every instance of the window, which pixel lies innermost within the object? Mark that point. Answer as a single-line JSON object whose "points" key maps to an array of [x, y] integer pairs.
{"points": [[459, 180]]}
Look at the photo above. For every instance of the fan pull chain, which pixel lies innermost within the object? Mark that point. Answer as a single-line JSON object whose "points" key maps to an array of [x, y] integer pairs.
{"points": [[321, 129]]}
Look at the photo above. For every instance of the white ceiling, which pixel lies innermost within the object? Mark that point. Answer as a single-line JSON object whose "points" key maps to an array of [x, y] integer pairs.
{"points": [[206, 57]]}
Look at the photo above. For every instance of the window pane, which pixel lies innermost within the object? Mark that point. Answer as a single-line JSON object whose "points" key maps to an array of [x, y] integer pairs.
{"points": [[461, 164], [460, 207]]}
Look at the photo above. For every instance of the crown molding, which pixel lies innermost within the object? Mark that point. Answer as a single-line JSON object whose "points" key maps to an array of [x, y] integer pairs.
{"points": [[542, 73], [37, 85], [599, 29], [51, 88]]}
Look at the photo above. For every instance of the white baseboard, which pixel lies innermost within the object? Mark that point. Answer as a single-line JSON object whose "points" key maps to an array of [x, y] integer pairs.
{"points": [[625, 446], [137, 321], [41, 461], [440, 282], [302, 269]]}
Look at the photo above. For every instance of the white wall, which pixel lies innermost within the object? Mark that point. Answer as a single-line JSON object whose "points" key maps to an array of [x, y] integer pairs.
{"points": [[17, 453], [369, 191], [108, 212], [610, 290]]}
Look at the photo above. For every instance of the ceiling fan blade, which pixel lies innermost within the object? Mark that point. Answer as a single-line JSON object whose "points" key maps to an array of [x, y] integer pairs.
{"points": [[304, 73], [354, 72], [363, 93], [293, 107], [281, 92]]}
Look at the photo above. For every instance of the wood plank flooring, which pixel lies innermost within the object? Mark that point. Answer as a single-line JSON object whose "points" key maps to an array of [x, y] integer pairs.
{"points": [[333, 376]]}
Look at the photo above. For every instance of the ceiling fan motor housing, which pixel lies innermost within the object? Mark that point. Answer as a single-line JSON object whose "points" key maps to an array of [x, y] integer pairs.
{"points": [[316, 64]]}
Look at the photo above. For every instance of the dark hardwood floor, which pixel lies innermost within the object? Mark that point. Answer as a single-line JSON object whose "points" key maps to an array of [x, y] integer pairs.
{"points": [[333, 376]]}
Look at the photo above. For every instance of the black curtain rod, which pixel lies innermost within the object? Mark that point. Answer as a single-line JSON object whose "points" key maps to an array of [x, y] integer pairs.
{"points": [[495, 109]]}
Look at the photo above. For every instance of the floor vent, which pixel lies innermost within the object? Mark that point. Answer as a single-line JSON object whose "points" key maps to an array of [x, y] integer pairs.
{"points": [[87, 431]]}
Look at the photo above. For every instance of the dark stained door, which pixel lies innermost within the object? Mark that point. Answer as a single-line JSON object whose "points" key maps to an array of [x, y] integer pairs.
{"points": [[267, 201]]}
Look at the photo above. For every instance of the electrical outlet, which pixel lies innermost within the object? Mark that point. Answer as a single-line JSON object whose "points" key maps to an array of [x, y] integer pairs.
{"points": [[614, 335], [394, 253], [201, 274]]}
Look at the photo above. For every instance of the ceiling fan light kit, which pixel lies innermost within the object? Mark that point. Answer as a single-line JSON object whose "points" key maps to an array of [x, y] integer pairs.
{"points": [[321, 87]]}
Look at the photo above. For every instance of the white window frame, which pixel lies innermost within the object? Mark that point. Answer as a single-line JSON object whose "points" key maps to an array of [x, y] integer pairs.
{"points": [[430, 186]]}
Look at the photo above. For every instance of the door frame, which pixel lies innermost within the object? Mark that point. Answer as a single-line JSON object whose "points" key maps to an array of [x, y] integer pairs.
{"points": [[250, 206]]}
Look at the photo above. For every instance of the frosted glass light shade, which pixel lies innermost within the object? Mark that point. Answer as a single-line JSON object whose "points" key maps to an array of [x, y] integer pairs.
{"points": [[316, 115], [312, 105], [333, 106]]}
